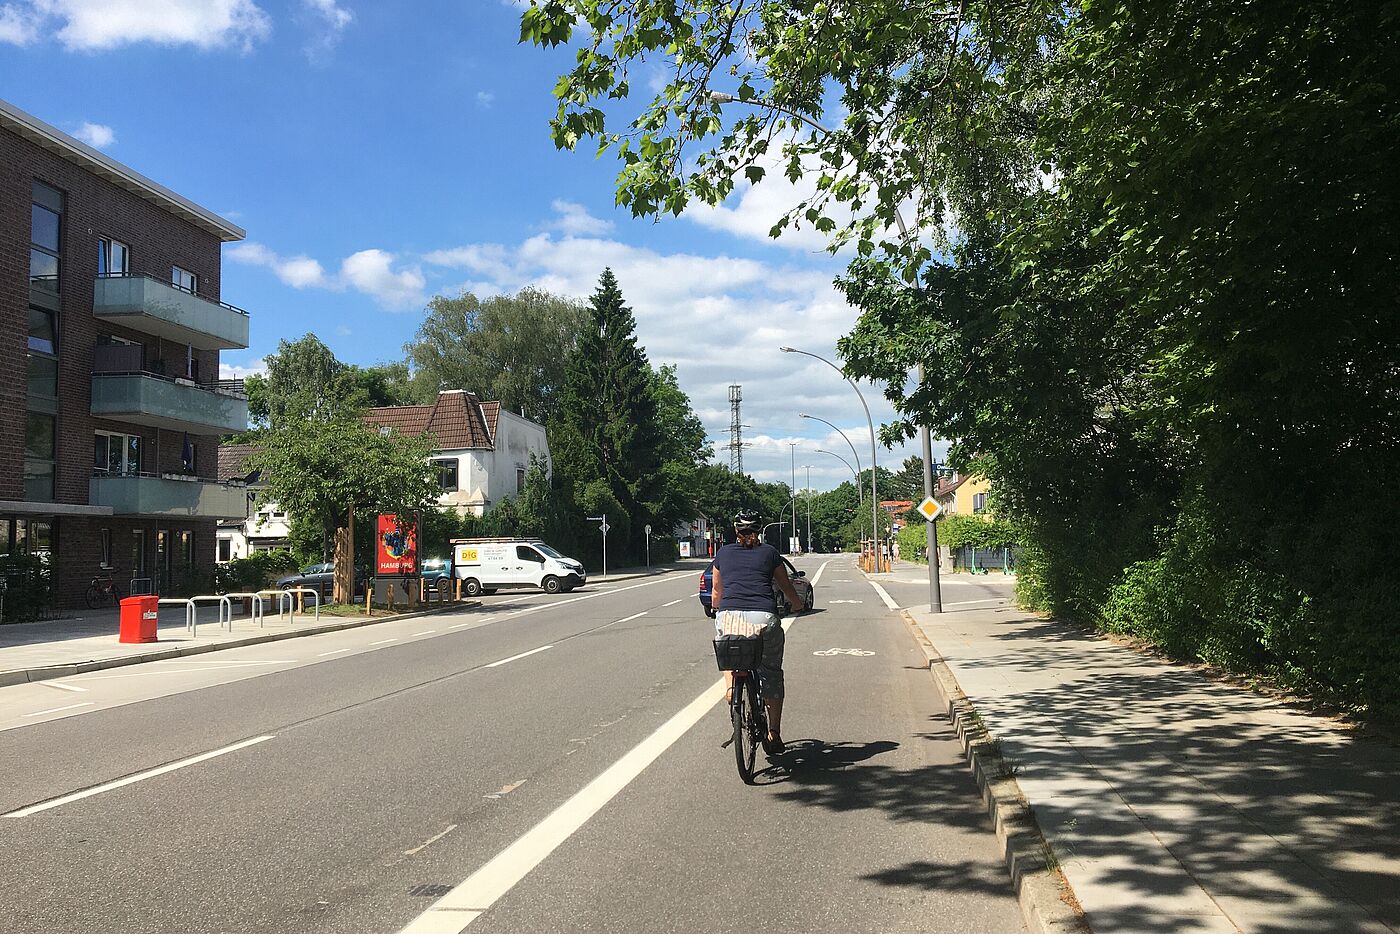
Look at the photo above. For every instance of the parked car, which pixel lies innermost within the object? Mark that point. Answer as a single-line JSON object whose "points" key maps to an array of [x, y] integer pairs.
{"points": [[437, 573], [799, 580], [321, 578]]}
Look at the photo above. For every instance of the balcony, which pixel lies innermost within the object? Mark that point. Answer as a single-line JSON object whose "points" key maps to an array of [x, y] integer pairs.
{"points": [[168, 496], [148, 305], [122, 390]]}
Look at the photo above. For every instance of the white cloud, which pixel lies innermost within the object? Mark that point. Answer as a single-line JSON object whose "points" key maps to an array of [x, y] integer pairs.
{"points": [[721, 319], [331, 21], [299, 272], [574, 219], [372, 272], [103, 24], [96, 135], [256, 367], [19, 24], [485, 98]]}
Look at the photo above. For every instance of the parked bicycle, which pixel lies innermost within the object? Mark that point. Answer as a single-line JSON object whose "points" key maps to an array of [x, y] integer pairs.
{"points": [[742, 656], [101, 592]]}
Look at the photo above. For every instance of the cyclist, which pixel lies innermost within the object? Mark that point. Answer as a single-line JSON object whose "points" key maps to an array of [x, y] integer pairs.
{"points": [[742, 596]]}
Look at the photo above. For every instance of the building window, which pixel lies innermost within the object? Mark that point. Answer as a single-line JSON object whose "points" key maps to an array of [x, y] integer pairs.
{"points": [[447, 473], [184, 279], [979, 502], [116, 454], [138, 552], [519, 480], [42, 335], [38, 456], [112, 257], [225, 549], [45, 235], [104, 544]]}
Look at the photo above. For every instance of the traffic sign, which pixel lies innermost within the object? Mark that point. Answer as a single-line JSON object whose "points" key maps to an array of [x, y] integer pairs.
{"points": [[648, 530], [604, 527], [930, 508]]}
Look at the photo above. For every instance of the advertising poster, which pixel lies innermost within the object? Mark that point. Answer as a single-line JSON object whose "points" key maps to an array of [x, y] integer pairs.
{"points": [[396, 547]]}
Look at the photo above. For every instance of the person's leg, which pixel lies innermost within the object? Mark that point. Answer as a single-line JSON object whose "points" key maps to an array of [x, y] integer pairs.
{"points": [[774, 688]]}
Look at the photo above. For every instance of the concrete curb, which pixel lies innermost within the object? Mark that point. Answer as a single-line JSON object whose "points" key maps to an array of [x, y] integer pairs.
{"points": [[1047, 902], [49, 672]]}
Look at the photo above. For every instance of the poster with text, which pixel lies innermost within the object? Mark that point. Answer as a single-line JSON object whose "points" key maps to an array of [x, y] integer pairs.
{"points": [[396, 547]]}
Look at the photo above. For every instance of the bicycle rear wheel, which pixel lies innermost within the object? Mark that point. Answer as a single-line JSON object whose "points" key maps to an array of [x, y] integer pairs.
{"points": [[742, 710], [93, 597]]}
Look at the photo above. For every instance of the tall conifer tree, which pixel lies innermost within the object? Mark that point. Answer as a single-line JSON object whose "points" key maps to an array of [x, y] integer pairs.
{"points": [[606, 435]]}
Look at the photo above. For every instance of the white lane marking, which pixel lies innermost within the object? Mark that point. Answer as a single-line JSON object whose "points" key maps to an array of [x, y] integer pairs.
{"points": [[139, 776], [628, 619], [514, 657], [40, 713], [63, 687], [471, 897], [860, 652], [818, 576], [889, 601], [336, 652], [479, 891], [845, 601], [430, 841], [425, 632], [672, 603], [384, 641], [557, 603]]}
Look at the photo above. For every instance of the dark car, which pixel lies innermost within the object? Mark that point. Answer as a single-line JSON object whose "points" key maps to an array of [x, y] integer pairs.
{"points": [[799, 580], [320, 578]]}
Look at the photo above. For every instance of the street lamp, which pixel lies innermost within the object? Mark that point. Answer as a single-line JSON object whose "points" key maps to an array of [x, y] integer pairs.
{"points": [[808, 491], [935, 595], [874, 496], [845, 438]]}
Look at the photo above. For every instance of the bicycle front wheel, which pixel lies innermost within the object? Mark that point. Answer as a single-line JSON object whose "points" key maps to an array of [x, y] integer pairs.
{"points": [[93, 597], [742, 712]]}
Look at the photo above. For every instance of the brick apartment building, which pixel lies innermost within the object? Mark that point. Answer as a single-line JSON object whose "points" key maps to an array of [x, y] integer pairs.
{"points": [[109, 302]]}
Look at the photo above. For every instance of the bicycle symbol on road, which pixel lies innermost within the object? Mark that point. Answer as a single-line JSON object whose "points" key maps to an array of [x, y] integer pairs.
{"points": [[829, 652]]}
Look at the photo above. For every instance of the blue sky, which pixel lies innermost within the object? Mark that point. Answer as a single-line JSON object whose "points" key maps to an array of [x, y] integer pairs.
{"points": [[378, 154]]}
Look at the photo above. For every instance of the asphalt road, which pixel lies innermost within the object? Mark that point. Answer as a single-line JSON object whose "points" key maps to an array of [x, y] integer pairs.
{"points": [[540, 764]]}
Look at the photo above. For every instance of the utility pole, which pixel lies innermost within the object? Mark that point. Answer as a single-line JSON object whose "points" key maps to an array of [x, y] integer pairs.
{"points": [[808, 468], [736, 429], [792, 453], [604, 529]]}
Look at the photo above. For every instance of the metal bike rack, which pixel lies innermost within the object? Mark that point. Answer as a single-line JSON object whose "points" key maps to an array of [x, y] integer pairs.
{"points": [[315, 593], [225, 608], [190, 621], [284, 601], [257, 604]]}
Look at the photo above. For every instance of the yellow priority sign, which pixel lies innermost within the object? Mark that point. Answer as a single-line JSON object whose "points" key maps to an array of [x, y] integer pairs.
{"points": [[930, 508]]}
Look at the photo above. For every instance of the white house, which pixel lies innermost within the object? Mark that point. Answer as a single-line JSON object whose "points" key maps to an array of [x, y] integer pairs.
{"points": [[483, 450], [482, 454]]}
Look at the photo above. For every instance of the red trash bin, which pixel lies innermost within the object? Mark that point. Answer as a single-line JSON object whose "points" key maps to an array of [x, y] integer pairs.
{"points": [[138, 619]]}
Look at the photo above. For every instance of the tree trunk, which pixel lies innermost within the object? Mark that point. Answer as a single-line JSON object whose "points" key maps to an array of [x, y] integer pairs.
{"points": [[344, 591]]}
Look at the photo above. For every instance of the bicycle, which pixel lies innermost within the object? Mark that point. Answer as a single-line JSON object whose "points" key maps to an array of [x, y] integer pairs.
{"points": [[742, 656], [101, 590]]}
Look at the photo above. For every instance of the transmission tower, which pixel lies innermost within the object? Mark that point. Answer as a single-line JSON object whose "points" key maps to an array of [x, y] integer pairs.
{"points": [[736, 430]]}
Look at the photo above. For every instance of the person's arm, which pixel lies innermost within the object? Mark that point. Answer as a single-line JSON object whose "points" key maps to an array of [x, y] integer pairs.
{"points": [[716, 589], [780, 575]]}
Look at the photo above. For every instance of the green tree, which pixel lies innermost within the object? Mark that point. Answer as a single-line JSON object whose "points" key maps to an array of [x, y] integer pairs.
{"points": [[511, 348], [607, 438], [304, 381], [323, 471]]}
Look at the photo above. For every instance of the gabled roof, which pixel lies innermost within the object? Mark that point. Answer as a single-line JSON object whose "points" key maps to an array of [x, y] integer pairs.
{"points": [[947, 488], [491, 411], [231, 461], [455, 420]]}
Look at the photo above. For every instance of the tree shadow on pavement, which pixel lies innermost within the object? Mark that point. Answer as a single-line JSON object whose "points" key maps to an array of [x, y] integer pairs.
{"points": [[962, 875]]}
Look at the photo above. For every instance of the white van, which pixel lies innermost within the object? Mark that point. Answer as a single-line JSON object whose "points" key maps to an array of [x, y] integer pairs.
{"points": [[484, 564]]}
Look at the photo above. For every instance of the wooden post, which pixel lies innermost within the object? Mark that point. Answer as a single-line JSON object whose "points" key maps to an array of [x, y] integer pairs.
{"points": [[343, 590], [369, 595]]}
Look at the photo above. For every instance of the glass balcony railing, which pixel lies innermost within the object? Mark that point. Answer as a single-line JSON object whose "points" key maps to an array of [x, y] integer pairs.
{"points": [[168, 495], [148, 305], [173, 404]]}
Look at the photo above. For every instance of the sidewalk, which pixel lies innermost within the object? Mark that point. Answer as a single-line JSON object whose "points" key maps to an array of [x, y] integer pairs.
{"points": [[1176, 803], [88, 641]]}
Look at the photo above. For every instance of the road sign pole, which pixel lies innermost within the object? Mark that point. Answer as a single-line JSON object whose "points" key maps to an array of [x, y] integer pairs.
{"points": [[604, 529], [648, 537]]}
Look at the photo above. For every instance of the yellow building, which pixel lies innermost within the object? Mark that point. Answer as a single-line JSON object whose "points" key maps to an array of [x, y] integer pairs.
{"points": [[964, 495]]}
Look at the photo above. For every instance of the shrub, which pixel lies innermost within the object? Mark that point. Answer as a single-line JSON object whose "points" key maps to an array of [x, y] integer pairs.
{"points": [[28, 587]]}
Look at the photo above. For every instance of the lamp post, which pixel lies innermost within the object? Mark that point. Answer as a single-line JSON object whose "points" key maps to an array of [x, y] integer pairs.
{"points": [[808, 491], [845, 438], [935, 601], [870, 422]]}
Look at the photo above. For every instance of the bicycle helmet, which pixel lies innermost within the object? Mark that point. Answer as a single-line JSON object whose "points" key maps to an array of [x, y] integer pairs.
{"points": [[748, 522]]}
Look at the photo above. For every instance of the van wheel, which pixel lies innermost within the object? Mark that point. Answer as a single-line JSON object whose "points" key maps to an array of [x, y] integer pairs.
{"points": [[471, 587], [551, 584]]}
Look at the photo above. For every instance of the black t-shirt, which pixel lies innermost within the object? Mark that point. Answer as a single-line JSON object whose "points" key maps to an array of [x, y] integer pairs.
{"points": [[746, 575]]}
